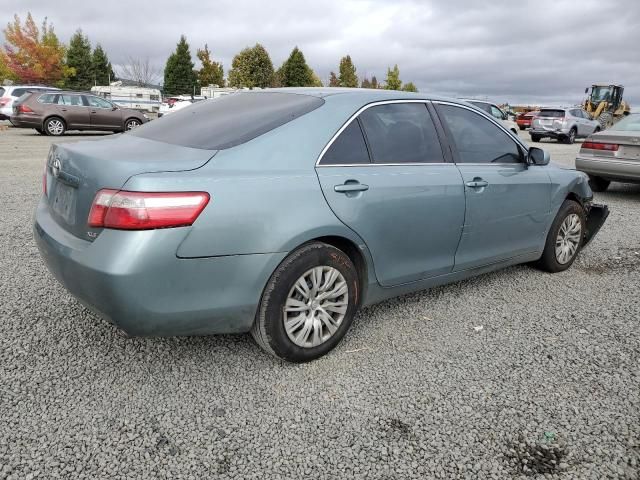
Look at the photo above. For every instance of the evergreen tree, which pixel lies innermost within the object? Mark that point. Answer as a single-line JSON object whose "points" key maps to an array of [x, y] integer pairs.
{"points": [[211, 72], [101, 70], [295, 71], [179, 76], [374, 82], [316, 82], [409, 87], [251, 68], [393, 81], [366, 83], [79, 58], [333, 80], [347, 77]]}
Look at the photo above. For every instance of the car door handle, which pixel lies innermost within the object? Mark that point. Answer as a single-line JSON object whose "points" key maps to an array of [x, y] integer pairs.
{"points": [[477, 183], [63, 109], [93, 111], [351, 187]]}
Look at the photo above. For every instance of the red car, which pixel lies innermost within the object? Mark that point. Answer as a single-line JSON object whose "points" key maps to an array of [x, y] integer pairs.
{"points": [[524, 119]]}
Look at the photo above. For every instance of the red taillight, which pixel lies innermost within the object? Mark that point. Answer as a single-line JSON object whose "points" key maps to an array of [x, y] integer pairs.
{"points": [[24, 109], [610, 147], [145, 210], [4, 101]]}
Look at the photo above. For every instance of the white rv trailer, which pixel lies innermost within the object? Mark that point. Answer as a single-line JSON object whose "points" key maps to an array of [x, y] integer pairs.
{"points": [[138, 98], [214, 91]]}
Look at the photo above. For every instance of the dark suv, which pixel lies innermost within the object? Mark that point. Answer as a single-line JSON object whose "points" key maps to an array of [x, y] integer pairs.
{"points": [[53, 113]]}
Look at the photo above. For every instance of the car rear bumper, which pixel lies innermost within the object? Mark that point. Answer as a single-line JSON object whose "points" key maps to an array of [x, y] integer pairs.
{"points": [[541, 132], [610, 168], [135, 280], [26, 122]]}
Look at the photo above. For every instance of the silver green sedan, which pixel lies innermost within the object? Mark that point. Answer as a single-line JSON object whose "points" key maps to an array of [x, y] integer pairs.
{"points": [[612, 155], [281, 212]]}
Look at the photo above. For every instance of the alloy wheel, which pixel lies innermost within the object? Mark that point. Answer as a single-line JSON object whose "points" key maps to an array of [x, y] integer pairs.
{"points": [[316, 306], [131, 124], [55, 127], [568, 239]]}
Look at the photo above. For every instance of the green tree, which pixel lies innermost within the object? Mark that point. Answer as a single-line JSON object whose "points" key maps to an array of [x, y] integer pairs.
{"points": [[393, 81], [366, 83], [101, 70], [295, 72], [315, 82], [409, 87], [374, 82], [251, 68], [179, 76], [333, 80], [79, 58], [211, 72], [347, 76], [5, 72]]}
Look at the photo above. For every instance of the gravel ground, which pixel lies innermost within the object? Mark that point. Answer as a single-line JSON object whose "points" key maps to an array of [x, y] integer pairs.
{"points": [[414, 391]]}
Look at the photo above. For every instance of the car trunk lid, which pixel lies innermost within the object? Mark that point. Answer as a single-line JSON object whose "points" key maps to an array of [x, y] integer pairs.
{"points": [[628, 144], [76, 171]]}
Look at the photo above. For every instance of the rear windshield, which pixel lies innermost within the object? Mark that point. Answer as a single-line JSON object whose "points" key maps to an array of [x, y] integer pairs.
{"points": [[228, 121], [630, 123], [552, 113]]}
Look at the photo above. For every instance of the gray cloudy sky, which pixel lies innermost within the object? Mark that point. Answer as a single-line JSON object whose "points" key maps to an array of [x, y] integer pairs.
{"points": [[527, 51]]}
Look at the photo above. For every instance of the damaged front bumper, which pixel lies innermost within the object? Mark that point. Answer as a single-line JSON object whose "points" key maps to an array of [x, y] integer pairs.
{"points": [[596, 216]]}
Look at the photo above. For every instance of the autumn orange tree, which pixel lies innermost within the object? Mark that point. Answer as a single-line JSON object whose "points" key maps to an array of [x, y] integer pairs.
{"points": [[35, 55]]}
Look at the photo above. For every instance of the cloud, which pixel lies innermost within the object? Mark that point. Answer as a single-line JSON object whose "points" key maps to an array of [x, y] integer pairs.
{"points": [[527, 51]]}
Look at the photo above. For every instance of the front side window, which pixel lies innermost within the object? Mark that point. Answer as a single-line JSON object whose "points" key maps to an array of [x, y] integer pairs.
{"points": [[348, 149], [401, 133], [478, 140], [98, 102], [72, 100]]}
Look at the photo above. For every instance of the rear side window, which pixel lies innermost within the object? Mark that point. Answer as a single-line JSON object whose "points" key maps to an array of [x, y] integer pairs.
{"points": [[483, 106], [348, 149], [47, 98], [401, 133], [18, 92], [229, 120], [552, 113], [478, 140], [2, 90], [73, 100]]}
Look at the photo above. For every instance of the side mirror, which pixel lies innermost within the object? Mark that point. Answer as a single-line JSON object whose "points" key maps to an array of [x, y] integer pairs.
{"points": [[586, 90], [114, 108], [538, 156]]}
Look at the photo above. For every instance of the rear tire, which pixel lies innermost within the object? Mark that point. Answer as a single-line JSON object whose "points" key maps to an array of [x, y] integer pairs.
{"points": [[303, 332], [521, 127], [571, 137], [54, 126], [535, 138], [564, 239], [598, 184]]}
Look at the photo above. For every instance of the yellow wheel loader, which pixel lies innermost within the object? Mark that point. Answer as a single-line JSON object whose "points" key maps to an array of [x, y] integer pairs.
{"points": [[605, 104]]}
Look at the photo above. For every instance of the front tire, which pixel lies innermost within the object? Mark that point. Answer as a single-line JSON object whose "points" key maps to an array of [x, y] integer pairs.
{"points": [[308, 304], [131, 124], [54, 126], [598, 184], [564, 239]]}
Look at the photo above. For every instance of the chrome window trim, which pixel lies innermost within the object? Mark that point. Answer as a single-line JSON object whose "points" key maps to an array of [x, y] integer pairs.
{"points": [[353, 117], [494, 121]]}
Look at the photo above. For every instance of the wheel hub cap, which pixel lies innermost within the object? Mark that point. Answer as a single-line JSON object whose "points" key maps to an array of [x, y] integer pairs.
{"points": [[316, 306], [568, 239]]}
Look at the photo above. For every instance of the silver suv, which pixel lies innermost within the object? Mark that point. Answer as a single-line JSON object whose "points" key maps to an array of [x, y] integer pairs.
{"points": [[10, 93], [563, 124]]}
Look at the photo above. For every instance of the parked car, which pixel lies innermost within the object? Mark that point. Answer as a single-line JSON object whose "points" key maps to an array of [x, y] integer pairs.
{"points": [[497, 113], [523, 120], [283, 211], [166, 108], [562, 124], [10, 93], [54, 113], [613, 154]]}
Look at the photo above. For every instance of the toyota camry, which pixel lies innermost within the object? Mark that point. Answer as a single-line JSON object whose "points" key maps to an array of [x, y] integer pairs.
{"points": [[282, 212]]}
